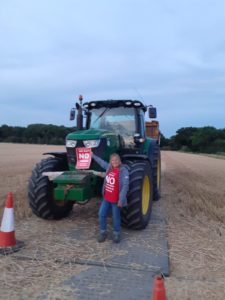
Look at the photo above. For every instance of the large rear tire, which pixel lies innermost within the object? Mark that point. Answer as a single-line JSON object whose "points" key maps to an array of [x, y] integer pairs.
{"points": [[40, 191], [157, 174], [140, 196]]}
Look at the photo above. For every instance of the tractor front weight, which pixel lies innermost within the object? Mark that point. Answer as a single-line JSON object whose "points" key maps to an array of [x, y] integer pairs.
{"points": [[74, 186]]}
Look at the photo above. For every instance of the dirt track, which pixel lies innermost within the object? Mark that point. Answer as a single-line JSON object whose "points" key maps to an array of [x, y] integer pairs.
{"points": [[193, 198]]}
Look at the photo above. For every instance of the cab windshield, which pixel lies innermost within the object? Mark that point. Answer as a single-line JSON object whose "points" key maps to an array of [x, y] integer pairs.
{"points": [[120, 120]]}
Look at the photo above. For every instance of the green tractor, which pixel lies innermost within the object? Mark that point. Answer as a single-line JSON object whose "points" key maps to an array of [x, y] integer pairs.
{"points": [[106, 127]]}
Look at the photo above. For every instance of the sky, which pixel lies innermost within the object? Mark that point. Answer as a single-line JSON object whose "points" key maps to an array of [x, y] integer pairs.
{"points": [[167, 53]]}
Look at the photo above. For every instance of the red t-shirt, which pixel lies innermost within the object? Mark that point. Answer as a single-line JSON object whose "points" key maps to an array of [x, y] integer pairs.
{"points": [[111, 190]]}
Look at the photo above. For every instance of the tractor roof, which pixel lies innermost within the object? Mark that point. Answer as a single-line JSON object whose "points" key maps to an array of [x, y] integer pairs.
{"points": [[115, 103]]}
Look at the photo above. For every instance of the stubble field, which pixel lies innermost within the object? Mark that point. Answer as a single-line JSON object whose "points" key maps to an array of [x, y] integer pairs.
{"points": [[193, 202]]}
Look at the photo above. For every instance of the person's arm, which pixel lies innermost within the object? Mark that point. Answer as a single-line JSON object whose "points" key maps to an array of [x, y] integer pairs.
{"points": [[124, 187], [100, 161]]}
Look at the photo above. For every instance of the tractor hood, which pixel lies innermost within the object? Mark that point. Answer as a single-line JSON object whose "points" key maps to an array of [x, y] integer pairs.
{"points": [[89, 134], [108, 144]]}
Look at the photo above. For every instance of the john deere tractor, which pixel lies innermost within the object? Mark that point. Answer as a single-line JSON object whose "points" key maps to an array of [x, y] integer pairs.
{"points": [[106, 127]]}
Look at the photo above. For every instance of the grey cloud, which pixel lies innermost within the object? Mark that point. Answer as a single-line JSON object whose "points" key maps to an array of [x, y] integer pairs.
{"points": [[170, 54]]}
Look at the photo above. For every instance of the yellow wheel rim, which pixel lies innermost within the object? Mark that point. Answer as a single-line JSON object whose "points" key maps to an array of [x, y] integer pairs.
{"points": [[158, 173], [145, 195]]}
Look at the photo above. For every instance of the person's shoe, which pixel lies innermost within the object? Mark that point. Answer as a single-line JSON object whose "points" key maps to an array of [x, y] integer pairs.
{"points": [[116, 237], [102, 237]]}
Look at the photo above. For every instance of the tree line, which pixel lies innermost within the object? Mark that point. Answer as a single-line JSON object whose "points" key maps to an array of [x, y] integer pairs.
{"points": [[193, 139], [35, 134], [206, 139]]}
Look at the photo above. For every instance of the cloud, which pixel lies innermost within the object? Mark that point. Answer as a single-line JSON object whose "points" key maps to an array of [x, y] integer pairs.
{"points": [[170, 54]]}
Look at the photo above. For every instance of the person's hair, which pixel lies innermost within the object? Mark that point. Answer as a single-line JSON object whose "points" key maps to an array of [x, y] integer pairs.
{"points": [[115, 155]]}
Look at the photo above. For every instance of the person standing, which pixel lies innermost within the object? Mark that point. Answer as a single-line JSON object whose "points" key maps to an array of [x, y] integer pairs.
{"points": [[114, 192]]}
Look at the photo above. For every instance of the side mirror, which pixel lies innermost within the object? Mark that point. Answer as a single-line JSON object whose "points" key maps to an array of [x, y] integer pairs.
{"points": [[152, 112], [72, 114]]}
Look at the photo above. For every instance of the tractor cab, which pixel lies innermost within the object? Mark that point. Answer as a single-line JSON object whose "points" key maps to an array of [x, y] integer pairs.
{"points": [[123, 118]]}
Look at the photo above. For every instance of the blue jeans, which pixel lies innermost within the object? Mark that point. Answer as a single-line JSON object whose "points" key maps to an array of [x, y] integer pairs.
{"points": [[103, 213]]}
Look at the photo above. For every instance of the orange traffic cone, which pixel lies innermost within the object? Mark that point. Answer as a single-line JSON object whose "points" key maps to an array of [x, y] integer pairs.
{"points": [[159, 292], [7, 231]]}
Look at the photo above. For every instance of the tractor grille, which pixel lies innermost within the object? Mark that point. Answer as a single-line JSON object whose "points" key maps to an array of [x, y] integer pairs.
{"points": [[99, 151]]}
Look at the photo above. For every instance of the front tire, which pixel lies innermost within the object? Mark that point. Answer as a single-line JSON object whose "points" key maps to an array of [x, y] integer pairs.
{"points": [[140, 196], [40, 191]]}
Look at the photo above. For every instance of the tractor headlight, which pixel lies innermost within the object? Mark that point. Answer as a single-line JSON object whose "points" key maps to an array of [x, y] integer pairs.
{"points": [[71, 143], [91, 143], [137, 104]]}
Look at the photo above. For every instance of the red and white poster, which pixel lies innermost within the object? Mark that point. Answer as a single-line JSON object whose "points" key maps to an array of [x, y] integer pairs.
{"points": [[83, 158]]}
